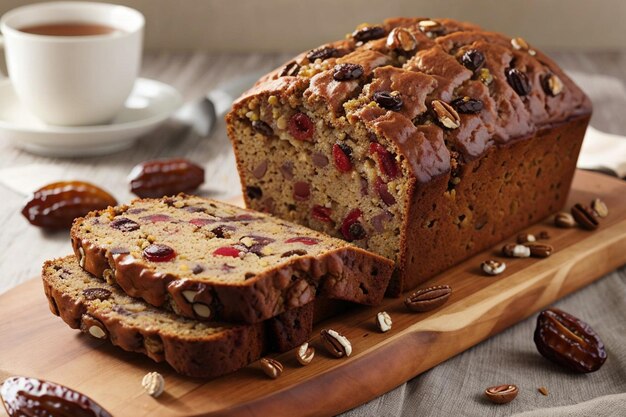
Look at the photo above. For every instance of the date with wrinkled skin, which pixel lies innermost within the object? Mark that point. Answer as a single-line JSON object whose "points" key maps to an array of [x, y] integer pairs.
{"points": [[164, 177], [569, 341], [56, 205], [23, 396]]}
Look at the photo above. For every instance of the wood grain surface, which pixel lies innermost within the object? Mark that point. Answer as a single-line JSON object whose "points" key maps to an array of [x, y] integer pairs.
{"points": [[35, 343]]}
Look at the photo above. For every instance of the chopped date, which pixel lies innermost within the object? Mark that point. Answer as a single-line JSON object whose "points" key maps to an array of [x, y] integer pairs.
{"points": [[473, 60], [347, 72], [368, 33], [322, 53], [467, 105], [390, 100]]}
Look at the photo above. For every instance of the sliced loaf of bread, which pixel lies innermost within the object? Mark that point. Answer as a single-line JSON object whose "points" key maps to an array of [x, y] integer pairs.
{"points": [[191, 347]]}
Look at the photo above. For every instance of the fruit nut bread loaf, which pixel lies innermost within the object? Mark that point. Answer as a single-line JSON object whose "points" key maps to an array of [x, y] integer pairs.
{"points": [[422, 140], [191, 347], [209, 260]]}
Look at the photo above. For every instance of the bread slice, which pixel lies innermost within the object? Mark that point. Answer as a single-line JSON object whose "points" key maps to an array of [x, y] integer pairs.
{"points": [[205, 259], [191, 347]]}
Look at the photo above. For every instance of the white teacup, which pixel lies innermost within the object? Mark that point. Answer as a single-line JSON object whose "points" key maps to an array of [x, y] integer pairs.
{"points": [[82, 79]]}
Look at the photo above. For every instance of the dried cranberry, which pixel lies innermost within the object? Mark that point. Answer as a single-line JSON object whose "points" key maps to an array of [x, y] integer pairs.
{"points": [[322, 53], [351, 218], [368, 33], [201, 222], [467, 105], [159, 253], [383, 192], [309, 241], [290, 70], [473, 60], [301, 127], [124, 224], [227, 251], [254, 193], [322, 213], [262, 127], [156, 218], [388, 100], [386, 160], [347, 72], [301, 190], [518, 81], [341, 156]]}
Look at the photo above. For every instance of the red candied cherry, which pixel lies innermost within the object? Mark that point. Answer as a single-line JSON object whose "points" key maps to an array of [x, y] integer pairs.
{"points": [[341, 155], [322, 213], [351, 228], [159, 253], [304, 240], [386, 160], [227, 251], [383, 191], [156, 218], [301, 127]]}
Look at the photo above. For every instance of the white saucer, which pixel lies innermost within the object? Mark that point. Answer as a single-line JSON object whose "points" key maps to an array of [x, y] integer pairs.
{"points": [[149, 104]]}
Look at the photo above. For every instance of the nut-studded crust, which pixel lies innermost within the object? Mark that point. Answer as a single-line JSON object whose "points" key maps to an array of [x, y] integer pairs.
{"points": [[531, 139], [345, 273], [215, 349]]}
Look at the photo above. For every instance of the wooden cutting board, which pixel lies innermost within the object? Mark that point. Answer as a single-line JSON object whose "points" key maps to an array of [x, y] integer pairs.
{"points": [[35, 343]]}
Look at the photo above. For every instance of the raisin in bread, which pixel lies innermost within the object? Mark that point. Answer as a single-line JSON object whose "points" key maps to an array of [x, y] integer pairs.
{"points": [[422, 140], [191, 347], [209, 260]]}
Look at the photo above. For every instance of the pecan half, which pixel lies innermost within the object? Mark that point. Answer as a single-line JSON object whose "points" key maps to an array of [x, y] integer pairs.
{"points": [[305, 354], [585, 217], [447, 116], [337, 344], [568, 341], [428, 298], [383, 321], [271, 367], [501, 394]]}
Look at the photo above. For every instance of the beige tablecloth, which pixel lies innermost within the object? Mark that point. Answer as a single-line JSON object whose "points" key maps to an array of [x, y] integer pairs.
{"points": [[455, 387]]}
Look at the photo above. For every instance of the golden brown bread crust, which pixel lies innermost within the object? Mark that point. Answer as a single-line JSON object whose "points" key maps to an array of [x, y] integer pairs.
{"points": [[345, 273], [538, 125]]}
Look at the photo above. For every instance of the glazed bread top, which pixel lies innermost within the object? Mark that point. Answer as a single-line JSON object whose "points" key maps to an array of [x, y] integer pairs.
{"points": [[442, 91]]}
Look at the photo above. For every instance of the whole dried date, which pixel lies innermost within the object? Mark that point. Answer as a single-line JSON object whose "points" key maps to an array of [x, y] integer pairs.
{"points": [[568, 341], [161, 177], [56, 205], [23, 396]]}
